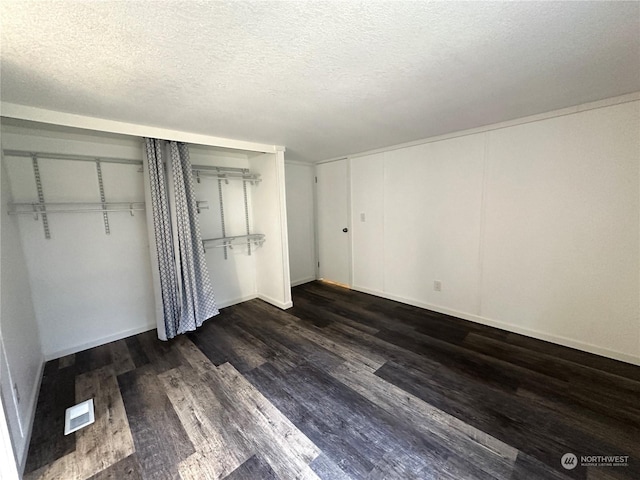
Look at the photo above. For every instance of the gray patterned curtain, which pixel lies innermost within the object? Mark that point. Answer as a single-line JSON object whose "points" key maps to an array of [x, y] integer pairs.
{"points": [[177, 253]]}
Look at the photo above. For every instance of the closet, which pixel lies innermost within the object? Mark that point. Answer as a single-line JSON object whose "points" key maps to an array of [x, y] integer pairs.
{"points": [[79, 197]]}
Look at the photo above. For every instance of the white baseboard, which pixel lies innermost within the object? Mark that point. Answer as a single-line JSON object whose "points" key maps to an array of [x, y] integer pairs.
{"points": [[128, 333], [548, 337], [295, 283], [276, 303], [99, 341], [235, 301], [28, 428]]}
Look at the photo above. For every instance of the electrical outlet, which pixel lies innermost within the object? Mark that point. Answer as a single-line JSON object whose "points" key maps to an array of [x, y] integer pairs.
{"points": [[362, 217], [437, 285]]}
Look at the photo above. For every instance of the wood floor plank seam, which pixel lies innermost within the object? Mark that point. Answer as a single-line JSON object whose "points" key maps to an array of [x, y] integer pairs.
{"points": [[415, 411], [279, 436], [159, 437]]}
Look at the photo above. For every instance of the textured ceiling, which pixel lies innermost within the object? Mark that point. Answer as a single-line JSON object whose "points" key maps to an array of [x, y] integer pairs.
{"points": [[323, 78]]}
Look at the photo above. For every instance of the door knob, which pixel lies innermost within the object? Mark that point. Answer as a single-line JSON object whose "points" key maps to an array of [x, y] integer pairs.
{"points": [[345, 229]]}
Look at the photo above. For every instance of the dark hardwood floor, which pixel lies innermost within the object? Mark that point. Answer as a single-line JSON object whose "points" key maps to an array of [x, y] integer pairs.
{"points": [[343, 385]]}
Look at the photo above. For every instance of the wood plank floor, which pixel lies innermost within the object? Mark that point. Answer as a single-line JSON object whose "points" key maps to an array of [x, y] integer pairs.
{"points": [[343, 385]]}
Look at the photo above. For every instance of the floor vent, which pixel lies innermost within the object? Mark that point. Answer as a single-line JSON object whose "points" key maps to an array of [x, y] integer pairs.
{"points": [[78, 416]]}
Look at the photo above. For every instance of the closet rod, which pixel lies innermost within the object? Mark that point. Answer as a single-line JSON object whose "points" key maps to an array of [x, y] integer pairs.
{"points": [[67, 204], [80, 158], [126, 161], [257, 238], [77, 210], [249, 177], [220, 169], [83, 207]]}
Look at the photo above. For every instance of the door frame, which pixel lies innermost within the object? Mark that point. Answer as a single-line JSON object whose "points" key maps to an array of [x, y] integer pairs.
{"points": [[347, 161], [9, 466]]}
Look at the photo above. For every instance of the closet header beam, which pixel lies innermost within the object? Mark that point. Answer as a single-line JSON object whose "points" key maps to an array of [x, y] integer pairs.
{"points": [[34, 114]]}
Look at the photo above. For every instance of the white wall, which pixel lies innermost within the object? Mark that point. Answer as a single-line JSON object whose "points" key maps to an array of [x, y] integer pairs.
{"points": [[300, 222], [90, 288], [367, 234], [533, 228], [561, 227], [21, 358], [270, 218]]}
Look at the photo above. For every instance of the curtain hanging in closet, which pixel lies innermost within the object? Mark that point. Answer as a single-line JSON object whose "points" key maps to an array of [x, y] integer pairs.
{"points": [[184, 296]]}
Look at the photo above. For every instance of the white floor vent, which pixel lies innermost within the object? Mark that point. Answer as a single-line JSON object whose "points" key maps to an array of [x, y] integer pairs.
{"points": [[79, 416]]}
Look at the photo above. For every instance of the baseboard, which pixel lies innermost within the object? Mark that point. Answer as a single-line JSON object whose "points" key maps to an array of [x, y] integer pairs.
{"points": [[274, 302], [33, 403], [235, 301], [128, 333], [547, 337], [295, 283], [99, 341]]}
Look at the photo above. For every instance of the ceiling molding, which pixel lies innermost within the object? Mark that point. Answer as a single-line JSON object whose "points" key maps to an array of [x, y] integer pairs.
{"points": [[23, 112], [298, 162], [607, 102]]}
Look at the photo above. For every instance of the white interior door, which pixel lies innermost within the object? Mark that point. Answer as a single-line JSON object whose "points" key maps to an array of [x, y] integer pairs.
{"points": [[333, 222]]}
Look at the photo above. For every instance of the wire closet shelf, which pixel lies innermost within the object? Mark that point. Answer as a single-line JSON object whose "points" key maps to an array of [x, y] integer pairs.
{"points": [[41, 209]]}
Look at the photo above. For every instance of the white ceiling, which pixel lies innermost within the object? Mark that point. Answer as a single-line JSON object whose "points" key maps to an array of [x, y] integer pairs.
{"points": [[323, 78]]}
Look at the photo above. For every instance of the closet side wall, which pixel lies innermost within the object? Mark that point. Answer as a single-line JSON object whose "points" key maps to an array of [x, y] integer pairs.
{"points": [[270, 218]]}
